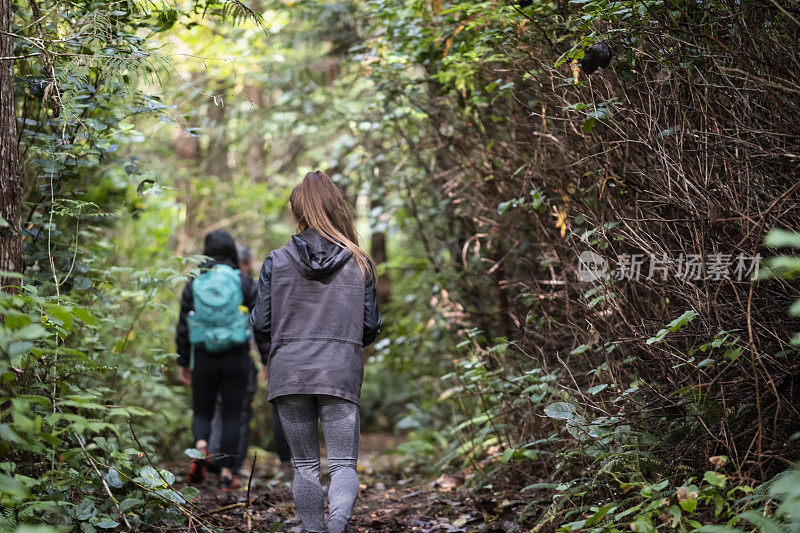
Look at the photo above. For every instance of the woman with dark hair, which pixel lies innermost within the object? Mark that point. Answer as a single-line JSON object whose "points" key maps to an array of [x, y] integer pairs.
{"points": [[316, 306], [281, 446], [212, 340]]}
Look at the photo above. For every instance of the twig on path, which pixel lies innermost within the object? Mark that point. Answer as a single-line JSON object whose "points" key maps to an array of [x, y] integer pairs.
{"points": [[244, 506], [225, 508], [250, 479], [250, 522]]}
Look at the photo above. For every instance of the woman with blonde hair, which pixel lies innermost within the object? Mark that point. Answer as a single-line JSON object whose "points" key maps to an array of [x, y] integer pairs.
{"points": [[316, 306]]}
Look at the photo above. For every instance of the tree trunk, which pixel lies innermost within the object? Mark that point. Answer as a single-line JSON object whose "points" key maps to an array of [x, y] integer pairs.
{"points": [[378, 251], [187, 150], [10, 186], [217, 155], [256, 160]]}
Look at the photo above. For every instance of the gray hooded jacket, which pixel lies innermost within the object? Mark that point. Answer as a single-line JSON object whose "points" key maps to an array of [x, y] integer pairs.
{"points": [[316, 311]]}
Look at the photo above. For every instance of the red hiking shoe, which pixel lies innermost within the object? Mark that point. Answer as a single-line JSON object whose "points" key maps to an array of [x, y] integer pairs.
{"points": [[228, 483], [197, 474]]}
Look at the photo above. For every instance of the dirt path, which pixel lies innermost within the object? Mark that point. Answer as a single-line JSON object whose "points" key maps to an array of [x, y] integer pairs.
{"points": [[388, 501]]}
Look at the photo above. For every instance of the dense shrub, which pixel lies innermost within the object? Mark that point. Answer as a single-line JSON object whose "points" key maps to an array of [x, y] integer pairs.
{"points": [[684, 149]]}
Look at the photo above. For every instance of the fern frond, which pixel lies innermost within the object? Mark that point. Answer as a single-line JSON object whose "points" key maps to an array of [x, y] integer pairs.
{"points": [[238, 12]]}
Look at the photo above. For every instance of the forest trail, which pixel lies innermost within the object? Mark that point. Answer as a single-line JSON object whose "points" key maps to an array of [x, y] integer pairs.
{"points": [[388, 501]]}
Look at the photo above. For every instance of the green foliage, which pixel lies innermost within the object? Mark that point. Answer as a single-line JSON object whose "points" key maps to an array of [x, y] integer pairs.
{"points": [[619, 452], [80, 385], [783, 266], [738, 507], [64, 425]]}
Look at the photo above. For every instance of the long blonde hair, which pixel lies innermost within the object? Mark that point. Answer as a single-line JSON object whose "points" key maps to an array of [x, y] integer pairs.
{"points": [[318, 203]]}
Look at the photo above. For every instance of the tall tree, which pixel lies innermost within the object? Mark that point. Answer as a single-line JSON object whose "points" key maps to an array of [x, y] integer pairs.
{"points": [[216, 157], [10, 188], [379, 255], [256, 160], [187, 150]]}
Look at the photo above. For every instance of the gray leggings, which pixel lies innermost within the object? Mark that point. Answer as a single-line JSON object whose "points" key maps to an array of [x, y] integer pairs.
{"points": [[340, 427]]}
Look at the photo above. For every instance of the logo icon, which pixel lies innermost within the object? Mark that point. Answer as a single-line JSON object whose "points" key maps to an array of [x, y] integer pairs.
{"points": [[591, 266]]}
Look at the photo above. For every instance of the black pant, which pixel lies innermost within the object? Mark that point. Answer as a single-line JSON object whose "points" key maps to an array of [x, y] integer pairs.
{"points": [[282, 447], [227, 375], [244, 431]]}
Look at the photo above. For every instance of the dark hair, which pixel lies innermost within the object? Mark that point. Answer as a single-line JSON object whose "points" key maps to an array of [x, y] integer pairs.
{"points": [[220, 246]]}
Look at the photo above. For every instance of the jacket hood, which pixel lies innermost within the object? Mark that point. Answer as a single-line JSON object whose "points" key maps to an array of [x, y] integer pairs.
{"points": [[316, 257], [221, 248]]}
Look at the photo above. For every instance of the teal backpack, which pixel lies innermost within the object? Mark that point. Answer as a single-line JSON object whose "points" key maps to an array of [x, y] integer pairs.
{"points": [[217, 322]]}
